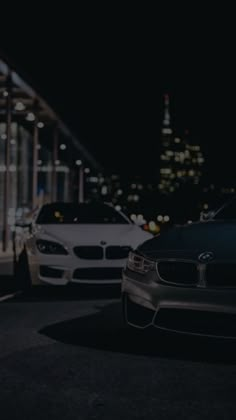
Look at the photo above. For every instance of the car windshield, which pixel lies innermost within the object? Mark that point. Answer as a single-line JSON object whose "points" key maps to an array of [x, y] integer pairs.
{"points": [[228, 212], [69, 213]]}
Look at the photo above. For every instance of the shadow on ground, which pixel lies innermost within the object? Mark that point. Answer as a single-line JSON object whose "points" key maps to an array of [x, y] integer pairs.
{"points": [[105, 330], [7, 284], [70, 292]]}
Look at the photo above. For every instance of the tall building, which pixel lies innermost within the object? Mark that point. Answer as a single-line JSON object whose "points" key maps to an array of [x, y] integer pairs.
{"points": [[193, 161], [171, 153], [180, 161]]}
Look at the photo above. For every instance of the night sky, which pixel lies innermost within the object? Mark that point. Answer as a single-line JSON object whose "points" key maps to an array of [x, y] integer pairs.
{"points": [[106, 79]]}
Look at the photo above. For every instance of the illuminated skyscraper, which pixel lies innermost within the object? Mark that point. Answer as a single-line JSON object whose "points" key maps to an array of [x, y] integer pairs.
{"points": [[180, 162], [166, 127], [168, 146]]}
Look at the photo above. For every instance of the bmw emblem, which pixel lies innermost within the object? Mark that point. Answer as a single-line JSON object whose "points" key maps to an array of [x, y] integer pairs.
{"points": [[206, 257]]}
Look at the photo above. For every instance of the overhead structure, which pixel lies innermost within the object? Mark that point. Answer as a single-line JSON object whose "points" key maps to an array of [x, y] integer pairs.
{"points": [[41, 160]]}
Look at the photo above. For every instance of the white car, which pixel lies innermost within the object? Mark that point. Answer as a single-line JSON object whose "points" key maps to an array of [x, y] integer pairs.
{"points": [[78, 243]]}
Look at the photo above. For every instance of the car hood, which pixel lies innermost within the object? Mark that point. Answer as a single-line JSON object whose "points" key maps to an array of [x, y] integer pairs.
{"points": [[125, 234], [190, 241]]}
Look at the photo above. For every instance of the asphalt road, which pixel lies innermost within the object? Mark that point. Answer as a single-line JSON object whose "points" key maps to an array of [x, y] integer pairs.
{"points": [[67, 355]]}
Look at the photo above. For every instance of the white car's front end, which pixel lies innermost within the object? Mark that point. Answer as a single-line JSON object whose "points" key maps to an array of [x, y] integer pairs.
{"points": [[92, 254]]}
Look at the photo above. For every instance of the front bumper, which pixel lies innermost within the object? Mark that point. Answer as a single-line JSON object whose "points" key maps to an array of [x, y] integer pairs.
{"points": [[66, 269], [192, 310]]}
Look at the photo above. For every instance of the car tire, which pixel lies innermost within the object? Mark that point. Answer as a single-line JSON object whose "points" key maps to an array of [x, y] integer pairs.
{"points": [[22, 273]]}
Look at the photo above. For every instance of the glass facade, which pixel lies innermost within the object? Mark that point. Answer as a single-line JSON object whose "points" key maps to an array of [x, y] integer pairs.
{"points": [[21, 172], [40, 159]]}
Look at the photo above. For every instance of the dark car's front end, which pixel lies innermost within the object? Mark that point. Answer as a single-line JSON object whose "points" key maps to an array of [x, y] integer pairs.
{"points": [[184, 281]]}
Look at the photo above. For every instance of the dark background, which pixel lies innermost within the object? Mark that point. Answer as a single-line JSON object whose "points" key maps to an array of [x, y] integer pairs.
{"points": [[105, 72]]}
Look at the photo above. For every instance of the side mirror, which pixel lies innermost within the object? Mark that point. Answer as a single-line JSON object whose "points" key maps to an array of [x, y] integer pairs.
{"points": [[206, 215], [203, 216]]}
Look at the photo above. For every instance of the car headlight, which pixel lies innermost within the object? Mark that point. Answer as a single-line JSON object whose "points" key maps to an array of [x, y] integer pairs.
{"points": [[50, 247], [139, 264]]}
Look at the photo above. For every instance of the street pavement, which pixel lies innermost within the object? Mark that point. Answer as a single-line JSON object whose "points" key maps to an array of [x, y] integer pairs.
{"points": [[66, 354], [6, 264], [7, 283]]}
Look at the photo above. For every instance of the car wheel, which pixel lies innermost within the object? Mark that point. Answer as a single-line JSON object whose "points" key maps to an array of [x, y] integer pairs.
{"points": [[22, 273]]}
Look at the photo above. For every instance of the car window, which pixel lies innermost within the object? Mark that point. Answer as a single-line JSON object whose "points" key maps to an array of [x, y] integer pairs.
{"points": [[79, 214]]}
